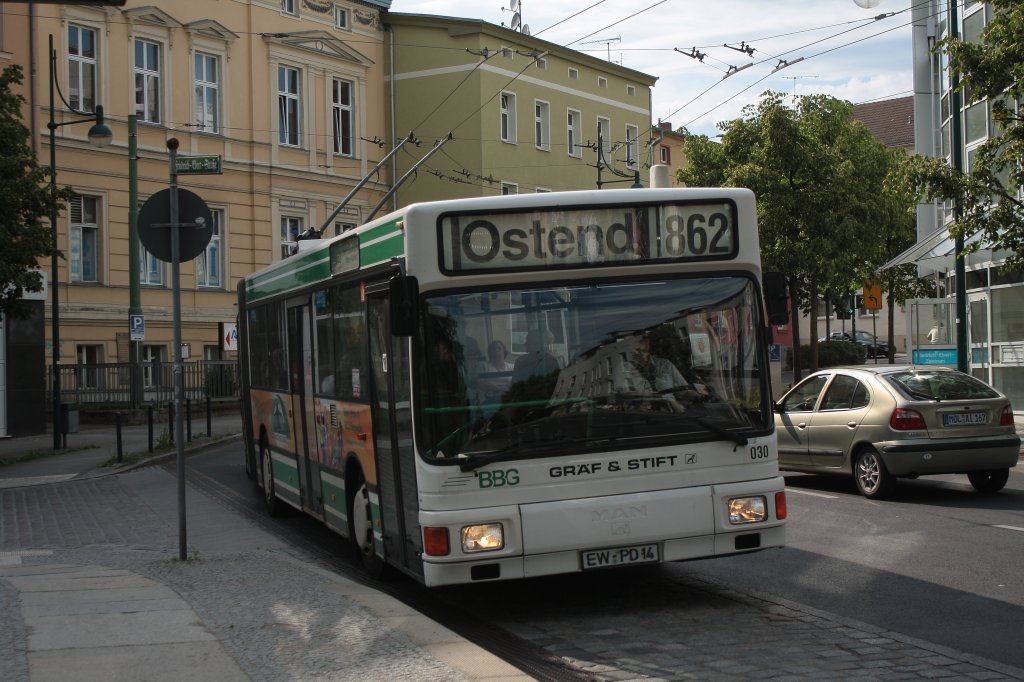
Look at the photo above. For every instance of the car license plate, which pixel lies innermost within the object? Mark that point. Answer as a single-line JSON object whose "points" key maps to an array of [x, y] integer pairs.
{"points": [[620, 556], [964, 418]]}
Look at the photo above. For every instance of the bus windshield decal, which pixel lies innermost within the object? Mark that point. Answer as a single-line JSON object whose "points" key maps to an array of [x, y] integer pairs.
{"points": [[576, 237]]}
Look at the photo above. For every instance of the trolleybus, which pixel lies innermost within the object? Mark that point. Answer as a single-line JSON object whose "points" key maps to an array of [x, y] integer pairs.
{"points": [[497, 388]]}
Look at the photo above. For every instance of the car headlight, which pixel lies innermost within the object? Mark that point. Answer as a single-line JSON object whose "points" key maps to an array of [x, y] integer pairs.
{"points": [[485, 537], [747, 509]]}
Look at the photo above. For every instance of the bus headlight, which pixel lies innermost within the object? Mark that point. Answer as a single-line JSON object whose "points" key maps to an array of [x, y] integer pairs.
{"points": [[485, 537], [747, 509]]}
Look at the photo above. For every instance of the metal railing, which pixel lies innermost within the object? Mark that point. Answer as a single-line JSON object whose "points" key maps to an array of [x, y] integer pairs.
{"points": [[110, 384]]}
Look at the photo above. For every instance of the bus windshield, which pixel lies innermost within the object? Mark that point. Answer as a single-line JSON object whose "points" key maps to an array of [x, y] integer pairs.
{"points": [[543, 371]]}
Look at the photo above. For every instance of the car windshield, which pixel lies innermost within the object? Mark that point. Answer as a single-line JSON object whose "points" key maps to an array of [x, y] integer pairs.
{"points": [[933, 385], [546, 370]]}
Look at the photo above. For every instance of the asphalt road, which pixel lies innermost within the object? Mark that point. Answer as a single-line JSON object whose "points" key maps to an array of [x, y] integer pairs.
{"points": [[937, 562]]}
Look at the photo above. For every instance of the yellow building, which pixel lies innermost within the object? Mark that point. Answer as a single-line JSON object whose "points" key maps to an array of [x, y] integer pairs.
{"points": [[288, 93], [525, 115]]}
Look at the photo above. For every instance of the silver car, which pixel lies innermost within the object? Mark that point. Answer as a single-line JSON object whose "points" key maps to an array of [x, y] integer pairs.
{"points": [[880, 422]]}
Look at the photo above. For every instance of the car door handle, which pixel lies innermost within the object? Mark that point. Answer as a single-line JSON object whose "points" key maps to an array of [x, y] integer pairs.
{"points": [[802, 425], [852, 425]]}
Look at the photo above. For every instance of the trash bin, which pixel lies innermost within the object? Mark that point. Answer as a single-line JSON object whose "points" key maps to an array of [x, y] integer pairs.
{"points": [[69, 417]]}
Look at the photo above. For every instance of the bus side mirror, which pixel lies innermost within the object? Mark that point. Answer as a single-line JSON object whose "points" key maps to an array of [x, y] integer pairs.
{"points": [[776, 297], [404, 295]]}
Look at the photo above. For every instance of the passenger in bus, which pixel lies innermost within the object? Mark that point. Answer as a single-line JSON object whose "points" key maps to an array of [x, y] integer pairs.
{"points": [[538, 359], [647, 373], [495, 375]]}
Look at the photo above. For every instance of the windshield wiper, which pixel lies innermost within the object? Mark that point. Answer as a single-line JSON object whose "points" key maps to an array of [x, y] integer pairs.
{"points": [[714, 428]]}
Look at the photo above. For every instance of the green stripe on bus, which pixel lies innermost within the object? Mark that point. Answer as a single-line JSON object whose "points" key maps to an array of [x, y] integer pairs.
{"points": [[286, 473], [381, 244], [296, 271], [334, 496]]}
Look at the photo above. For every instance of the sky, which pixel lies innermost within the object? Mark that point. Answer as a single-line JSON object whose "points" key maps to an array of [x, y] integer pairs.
{"points": [[843, 50]]}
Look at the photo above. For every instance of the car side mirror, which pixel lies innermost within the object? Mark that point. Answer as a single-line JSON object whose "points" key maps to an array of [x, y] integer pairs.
{"points": [[779, 408], [404, 295]]}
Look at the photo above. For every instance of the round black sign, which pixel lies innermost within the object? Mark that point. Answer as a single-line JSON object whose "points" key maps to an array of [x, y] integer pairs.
{"points": [[194, 219]]}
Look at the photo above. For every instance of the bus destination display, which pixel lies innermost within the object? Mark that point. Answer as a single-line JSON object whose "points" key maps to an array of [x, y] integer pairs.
{"points": [[578, 237]]}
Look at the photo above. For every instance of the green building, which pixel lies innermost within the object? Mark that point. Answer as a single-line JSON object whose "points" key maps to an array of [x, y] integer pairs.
{"points": [[525, 115]]}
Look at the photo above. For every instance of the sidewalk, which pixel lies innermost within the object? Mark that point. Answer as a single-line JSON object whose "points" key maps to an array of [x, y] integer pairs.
{"points": [[91, 588]]}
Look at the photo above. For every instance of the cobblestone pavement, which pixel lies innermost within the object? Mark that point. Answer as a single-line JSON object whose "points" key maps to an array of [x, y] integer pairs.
{"points": [[279, 616]]}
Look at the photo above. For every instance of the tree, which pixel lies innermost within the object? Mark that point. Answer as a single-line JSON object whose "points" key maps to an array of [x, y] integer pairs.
{"points": [[990, 194], [818, 177], [26, 198]]}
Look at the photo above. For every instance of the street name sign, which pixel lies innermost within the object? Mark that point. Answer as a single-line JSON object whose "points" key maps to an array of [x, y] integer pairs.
{"points": [[198, 165]]}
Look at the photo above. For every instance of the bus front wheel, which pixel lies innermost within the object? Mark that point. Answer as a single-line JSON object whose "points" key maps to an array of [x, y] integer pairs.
{"points": [[361, 520]]}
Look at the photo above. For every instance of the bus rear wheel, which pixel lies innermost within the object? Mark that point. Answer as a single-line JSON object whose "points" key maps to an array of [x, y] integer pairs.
{"points": [[267, 472], [361, 529]]}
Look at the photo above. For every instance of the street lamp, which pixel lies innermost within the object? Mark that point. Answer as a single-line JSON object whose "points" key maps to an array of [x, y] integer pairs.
{"points": [[99, 136]]}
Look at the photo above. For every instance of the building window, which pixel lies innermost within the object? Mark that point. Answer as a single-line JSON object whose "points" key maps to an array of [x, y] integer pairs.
{"points": [[89, 356], [207, 93], [602, 82], [290, 7], [542, 125], [632, 146], [154, 359], [81, 68], [291, 228], [151, 268], [604, 132], [147, 81], [508, 188], [508, 117], [288, 110], [666, 154], [631, 91], [507, 52], [574, 74], [574, 137], [208, 264], [340, 18], [542, 64], [341, 111], [343, 227], [84, 239]]}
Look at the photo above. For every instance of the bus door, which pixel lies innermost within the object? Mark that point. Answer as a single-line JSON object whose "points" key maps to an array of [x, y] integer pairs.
{"points": [[392, 426], [300, 371]]}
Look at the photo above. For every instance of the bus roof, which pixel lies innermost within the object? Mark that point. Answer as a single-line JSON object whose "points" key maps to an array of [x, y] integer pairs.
{"points": [[383, 239]]}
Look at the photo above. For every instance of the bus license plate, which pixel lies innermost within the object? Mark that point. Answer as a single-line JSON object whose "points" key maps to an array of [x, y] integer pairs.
{"points": [[964, 418], [620, 556]]}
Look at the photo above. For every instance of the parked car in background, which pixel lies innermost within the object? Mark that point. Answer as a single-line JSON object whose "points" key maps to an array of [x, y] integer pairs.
{"points": [[881, 422], [872, 344]]}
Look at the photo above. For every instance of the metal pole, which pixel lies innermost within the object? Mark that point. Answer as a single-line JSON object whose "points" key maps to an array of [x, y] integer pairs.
{"points": [[134, 269], [55, 305], [437, 147], [956, 143], [179, 387], [149, 419]]}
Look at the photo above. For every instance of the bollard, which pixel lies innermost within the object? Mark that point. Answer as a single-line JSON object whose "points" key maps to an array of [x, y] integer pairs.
{"points": [[171, 420], [117, 423], [209, 426], [188, 420], [149, 420]]}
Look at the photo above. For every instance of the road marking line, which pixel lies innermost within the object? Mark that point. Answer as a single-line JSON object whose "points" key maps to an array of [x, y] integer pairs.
{"points": [[808, 492], [1017, 528]]}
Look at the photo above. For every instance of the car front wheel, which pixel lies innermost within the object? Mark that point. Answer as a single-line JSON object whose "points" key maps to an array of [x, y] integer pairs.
{"points": [[991, 481], [873, 479]]}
